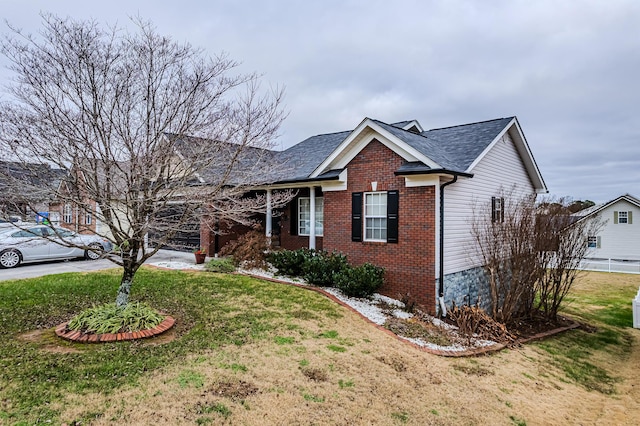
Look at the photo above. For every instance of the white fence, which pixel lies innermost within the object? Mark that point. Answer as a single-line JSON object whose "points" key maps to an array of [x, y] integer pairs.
{"points": [[611, 265]]}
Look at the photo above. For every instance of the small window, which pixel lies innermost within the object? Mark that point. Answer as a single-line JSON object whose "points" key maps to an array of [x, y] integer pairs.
{"points": [[304, 216], [592, 242], [88, 217], [623, 217], [497, 209], [67, 214], [375, 216]]}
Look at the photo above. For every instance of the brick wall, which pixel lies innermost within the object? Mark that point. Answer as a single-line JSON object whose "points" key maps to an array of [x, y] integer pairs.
{"points": [[409, 264]]}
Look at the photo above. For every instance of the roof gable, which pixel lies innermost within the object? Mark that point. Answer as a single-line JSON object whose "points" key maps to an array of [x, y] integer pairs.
{"points": [[394, 138], [591, 211]]}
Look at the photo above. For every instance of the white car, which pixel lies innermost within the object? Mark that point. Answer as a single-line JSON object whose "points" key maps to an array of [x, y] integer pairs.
{"points": [[42, 243]]}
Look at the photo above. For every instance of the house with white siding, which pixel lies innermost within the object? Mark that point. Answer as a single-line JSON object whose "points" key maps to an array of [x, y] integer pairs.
{"points": [[402, 197], [619, 237]]}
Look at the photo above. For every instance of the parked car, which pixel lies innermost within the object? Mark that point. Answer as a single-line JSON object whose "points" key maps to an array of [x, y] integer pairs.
{"points": [[12, 222], [42, 243]]}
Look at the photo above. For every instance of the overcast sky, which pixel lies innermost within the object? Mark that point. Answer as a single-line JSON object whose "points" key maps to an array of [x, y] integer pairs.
{"points": [[569, 70]]}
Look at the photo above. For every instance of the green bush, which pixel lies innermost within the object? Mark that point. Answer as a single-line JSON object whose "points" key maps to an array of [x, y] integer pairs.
{"points": [[360, 281], [290, 262], [320, 268], [220, 264]]}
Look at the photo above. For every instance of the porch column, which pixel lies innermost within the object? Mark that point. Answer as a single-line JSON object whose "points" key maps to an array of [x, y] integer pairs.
{"points": [[269, 218], [312, 217]]}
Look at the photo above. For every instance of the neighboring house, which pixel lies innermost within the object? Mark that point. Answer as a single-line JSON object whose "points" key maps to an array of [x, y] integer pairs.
{"points": [[23, 189], [619, 237], [402, 198]]}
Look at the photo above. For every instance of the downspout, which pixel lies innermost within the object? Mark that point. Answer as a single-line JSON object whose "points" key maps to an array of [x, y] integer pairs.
{"points": [[443, 307]]}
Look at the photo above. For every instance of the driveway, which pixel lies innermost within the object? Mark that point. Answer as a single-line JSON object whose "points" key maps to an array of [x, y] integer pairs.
{"points": [[32, 270]]}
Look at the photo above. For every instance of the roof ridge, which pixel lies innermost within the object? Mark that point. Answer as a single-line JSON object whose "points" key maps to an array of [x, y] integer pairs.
{"points": [[470, 124]]}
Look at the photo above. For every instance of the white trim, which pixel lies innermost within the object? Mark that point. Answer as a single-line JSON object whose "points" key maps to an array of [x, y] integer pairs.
{"points": [[312, 218], [269, 216], [351, 146], [413, 123], [421, 180], [382, 216]]}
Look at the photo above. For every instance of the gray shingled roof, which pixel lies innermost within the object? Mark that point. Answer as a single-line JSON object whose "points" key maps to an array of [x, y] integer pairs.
{"points": [[463, 144], [453, 148], [305, 157]]}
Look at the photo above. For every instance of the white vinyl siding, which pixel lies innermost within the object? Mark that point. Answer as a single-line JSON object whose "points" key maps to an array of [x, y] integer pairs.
{"points": [[501, 164], [618, 241]]}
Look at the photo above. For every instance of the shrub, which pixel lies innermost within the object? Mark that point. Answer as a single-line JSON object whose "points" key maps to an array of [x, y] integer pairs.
{"points": [[289, 262], [112, 319], [250, 249], [321, 268], [360, 281], [220, 264]]}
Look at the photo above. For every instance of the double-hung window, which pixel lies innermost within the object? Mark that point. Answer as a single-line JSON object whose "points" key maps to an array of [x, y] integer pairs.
{"points": [[304, 216], [375, 216], [67, 213], [623, 217], [88, 217]]}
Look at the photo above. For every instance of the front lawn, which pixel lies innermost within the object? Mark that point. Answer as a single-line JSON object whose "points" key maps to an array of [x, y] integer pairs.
{"points": [[246, 351]]}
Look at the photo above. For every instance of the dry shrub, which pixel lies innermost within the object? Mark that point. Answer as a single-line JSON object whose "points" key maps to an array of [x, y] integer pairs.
{"points": [[473, 321], [249, 250]]}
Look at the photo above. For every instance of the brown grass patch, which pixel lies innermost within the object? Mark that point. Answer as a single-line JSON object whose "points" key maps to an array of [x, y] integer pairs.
{"points": [[384, 381]]}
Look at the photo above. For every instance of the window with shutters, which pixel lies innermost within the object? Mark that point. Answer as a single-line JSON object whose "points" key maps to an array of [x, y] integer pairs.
{"points": [[304, 216], [375, 216], [593, 242], [623, 217]]}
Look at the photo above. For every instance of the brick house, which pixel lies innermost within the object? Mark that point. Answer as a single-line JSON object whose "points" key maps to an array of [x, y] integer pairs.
{"points": [[400, 197]]}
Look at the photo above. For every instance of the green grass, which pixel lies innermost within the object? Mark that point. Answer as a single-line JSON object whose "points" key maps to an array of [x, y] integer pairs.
{"points": [[604, 302], [211, 311]]}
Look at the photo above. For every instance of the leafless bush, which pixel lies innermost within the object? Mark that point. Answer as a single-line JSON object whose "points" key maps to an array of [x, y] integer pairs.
{"points": [[530, 252], [249, 250]]}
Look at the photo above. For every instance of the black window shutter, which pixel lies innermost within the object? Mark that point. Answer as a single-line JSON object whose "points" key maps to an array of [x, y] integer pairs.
{"points": [[501, 209], [493, 209], [356, 216], [293, 217], [392, 216]]}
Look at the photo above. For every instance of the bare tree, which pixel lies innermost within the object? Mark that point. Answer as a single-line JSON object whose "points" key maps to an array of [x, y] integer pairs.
{"points": [[152, 131]]}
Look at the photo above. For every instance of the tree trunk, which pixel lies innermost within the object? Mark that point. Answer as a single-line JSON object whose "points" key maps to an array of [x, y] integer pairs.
{"points": [[129, 266], [125, 288]]}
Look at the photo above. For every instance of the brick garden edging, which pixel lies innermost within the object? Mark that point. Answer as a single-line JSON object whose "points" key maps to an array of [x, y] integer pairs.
{"points": [[76, 336], [454, 354]]}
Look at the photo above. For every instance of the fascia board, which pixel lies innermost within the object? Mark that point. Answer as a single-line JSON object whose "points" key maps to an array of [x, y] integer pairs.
{"points": [[525, 154], [625, 197], [337, 159]]}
